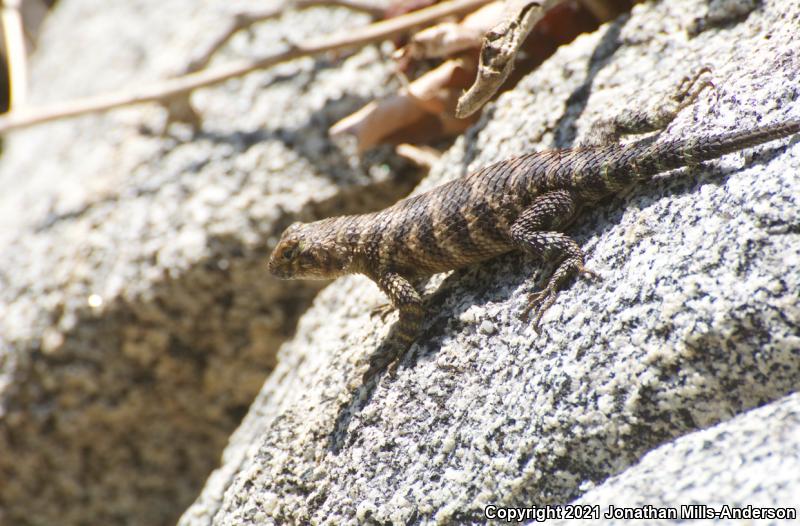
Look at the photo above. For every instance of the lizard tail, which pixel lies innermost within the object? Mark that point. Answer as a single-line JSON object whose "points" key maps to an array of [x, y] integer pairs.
{"points": [[691, 152], [596, 173]]}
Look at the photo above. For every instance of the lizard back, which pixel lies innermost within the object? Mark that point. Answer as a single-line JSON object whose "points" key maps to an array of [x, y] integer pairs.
{"points": [[456, 224]]}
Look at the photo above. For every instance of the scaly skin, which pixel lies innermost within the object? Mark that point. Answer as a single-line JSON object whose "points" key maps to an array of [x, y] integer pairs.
{"points": [[522, 203]]}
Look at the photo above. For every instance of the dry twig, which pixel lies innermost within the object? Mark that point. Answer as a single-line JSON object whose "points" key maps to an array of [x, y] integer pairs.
{"points": [[168, 89], [241, 21], [15, 50]]}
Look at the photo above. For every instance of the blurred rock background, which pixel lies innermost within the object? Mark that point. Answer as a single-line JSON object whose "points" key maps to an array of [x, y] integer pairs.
{"points": [[138, 323]]}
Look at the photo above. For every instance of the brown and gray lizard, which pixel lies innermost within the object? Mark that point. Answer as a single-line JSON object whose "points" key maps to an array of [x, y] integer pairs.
{"points": [[521, 203]]}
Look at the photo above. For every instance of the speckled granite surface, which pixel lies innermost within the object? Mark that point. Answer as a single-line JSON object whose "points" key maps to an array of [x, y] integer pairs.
{"points": [[695, 321], [136, 320], [750, 461]]}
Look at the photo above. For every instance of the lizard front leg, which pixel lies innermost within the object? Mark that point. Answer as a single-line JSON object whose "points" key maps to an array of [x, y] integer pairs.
{"points": [[405, 298], [537, 231], [383, 310]]}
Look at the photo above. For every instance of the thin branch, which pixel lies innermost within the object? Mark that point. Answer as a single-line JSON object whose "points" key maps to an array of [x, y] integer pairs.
{"points": [[241, 21], [170, 88], [15, 50]]}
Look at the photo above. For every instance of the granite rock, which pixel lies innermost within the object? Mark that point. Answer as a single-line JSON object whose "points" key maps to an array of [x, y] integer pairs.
{"points": [[695, 321], [137, 322], [750, 461]]}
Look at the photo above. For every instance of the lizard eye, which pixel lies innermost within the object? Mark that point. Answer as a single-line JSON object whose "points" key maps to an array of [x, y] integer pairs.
{"points": [[289, 253]]}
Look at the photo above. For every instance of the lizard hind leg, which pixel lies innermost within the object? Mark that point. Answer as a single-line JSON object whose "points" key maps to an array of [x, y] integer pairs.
{"points": [[536, 231], [609, 131]]}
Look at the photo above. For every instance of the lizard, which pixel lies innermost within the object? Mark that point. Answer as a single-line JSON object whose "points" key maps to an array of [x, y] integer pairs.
{"points": [[521, 203]]}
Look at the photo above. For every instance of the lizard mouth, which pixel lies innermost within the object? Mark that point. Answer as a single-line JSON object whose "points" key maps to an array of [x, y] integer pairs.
{"points": [[276, 270]]}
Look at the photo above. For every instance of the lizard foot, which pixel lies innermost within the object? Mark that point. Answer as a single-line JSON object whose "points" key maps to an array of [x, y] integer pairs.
{"points": [[539, 302], [382, 311], [385, 358]]}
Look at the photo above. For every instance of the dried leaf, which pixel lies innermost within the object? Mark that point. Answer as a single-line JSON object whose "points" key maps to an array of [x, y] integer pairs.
{"points": [[423, 111], [438, 41], [603, 10], [379, 119], [437, 90]]}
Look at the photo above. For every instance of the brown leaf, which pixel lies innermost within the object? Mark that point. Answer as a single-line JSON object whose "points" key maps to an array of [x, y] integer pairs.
{"points": [[422, 112], [379, 119]]}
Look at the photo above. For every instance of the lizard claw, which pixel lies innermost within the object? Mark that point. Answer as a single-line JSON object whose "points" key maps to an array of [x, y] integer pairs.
{"points": [[385, 358], [382, 311], [538, 302], [692, 86]]}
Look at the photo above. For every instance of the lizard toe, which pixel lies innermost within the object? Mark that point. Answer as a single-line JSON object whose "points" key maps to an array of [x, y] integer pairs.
{"points": [[538, 303], [382, 311]]}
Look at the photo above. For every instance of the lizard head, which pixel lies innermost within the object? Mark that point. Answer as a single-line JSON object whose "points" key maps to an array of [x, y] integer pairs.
{"points": [[309, 251]]}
